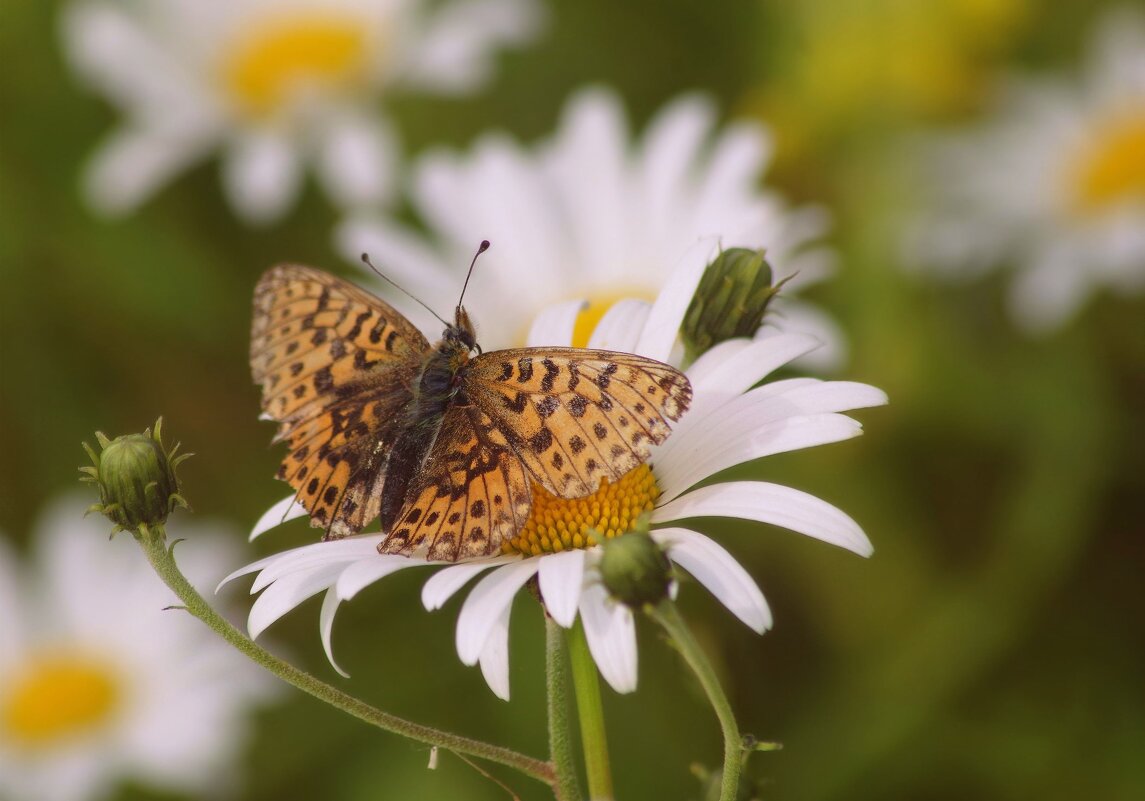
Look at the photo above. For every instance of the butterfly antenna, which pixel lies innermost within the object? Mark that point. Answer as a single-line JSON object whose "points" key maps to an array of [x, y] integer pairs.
{"points": [[368, 263], [484, 246]]}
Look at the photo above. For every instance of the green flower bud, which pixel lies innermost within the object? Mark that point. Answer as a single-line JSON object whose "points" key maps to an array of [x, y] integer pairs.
{"points": [[730, 301], [138, 487], [635, 570]]}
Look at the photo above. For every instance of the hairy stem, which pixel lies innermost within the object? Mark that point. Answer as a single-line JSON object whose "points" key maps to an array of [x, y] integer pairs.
{"points": [[590, 711], [560, 743], [162, 559], [681, 637]]}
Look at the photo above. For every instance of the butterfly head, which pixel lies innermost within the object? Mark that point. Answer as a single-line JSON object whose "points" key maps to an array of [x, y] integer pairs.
{"points": [[462, 331]]}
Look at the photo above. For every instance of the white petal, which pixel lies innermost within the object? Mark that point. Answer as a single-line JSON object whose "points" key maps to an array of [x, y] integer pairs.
{"points": [[286, 509], [748, 366], [318, 555], [621, 326], [589, 176], [667, 313], [554, 325], [494, 657], [287, 593], [729, 441], [441, 586], [668, 157], [133, 163], [561, 576], [713, 358], [357, 160], [455, 51], [1046, 294], [770, 503], [739, 367], [12, 593], [253, 567], [611, 634], [261, 175], [344, 551], [735, 165], [360, 575], [485, 605], [715, 568], [812, 396], [326, 628], [111, 49]]}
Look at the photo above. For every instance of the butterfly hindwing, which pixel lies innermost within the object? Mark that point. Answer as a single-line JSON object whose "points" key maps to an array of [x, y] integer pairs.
{"points": [[471, 493], [574, 416], [336, 366]]}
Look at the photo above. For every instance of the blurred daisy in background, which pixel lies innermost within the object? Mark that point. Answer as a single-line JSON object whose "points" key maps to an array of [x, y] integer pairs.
{"points": [[98, 684], [731, 421], [1053, 185], [275, 85], [588, 215]]}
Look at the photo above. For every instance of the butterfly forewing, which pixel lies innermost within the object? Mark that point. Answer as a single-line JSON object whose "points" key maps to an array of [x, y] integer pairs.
{"points": [[576, 416], [336, 365]]}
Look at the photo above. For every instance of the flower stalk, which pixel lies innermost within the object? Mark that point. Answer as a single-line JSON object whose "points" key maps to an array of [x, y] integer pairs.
{"points": [[590, 712], [567, 786], [668, 617]]}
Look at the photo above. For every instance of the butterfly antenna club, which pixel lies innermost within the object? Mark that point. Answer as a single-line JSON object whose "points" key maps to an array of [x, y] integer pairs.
{"points": [[484, 246]]}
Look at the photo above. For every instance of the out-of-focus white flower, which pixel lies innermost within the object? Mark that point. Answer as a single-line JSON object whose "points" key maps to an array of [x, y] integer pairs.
{"points": [[274, 85], [731, 421], [98, 683], [1053, 185], [587, 215]]}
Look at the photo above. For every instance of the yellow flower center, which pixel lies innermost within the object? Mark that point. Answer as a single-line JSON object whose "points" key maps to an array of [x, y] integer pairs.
{"points": [[1113, 168], [593, 313], [557, 524], [56, 696], [320, 53]]}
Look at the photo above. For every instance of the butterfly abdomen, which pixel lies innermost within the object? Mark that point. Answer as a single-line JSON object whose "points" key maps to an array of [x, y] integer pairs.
{"points": [[435, 388]]}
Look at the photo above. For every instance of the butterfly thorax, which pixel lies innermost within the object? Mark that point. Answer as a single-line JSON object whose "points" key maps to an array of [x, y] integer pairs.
{"points": [[438, 383]]}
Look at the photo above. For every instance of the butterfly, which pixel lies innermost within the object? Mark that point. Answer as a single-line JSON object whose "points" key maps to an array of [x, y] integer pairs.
{"points": [[441, 442]]}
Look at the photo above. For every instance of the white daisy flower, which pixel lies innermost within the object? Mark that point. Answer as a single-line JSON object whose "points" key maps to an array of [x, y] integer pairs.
{"points": [[589, 215], [1054, 184], [273, 85], [729, 423], [98, 683]]}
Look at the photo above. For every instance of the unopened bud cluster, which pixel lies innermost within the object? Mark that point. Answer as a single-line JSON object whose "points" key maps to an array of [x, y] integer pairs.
{"points": [[135, 474], [730, 301]]}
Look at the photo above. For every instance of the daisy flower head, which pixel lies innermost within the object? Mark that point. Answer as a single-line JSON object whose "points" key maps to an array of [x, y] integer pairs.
{"points": [[273, 85], [98, 683], [1053, 184], [734, 418], [591, 215]]}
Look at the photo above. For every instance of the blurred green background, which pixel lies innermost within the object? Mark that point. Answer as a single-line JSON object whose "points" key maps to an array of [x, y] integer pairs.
{"points": [[994, 646]]}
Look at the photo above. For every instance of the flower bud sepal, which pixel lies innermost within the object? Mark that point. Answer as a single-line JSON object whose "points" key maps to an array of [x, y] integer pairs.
{"points": [[137, 480]]}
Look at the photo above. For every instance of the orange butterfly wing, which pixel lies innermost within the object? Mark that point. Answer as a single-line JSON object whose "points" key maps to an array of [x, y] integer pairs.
{"points": [[336, 365]]}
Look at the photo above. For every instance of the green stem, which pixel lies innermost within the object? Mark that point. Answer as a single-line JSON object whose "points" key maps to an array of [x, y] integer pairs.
{"points": [[560, 743], [590, 711], [163, 560], [669, 618]]}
